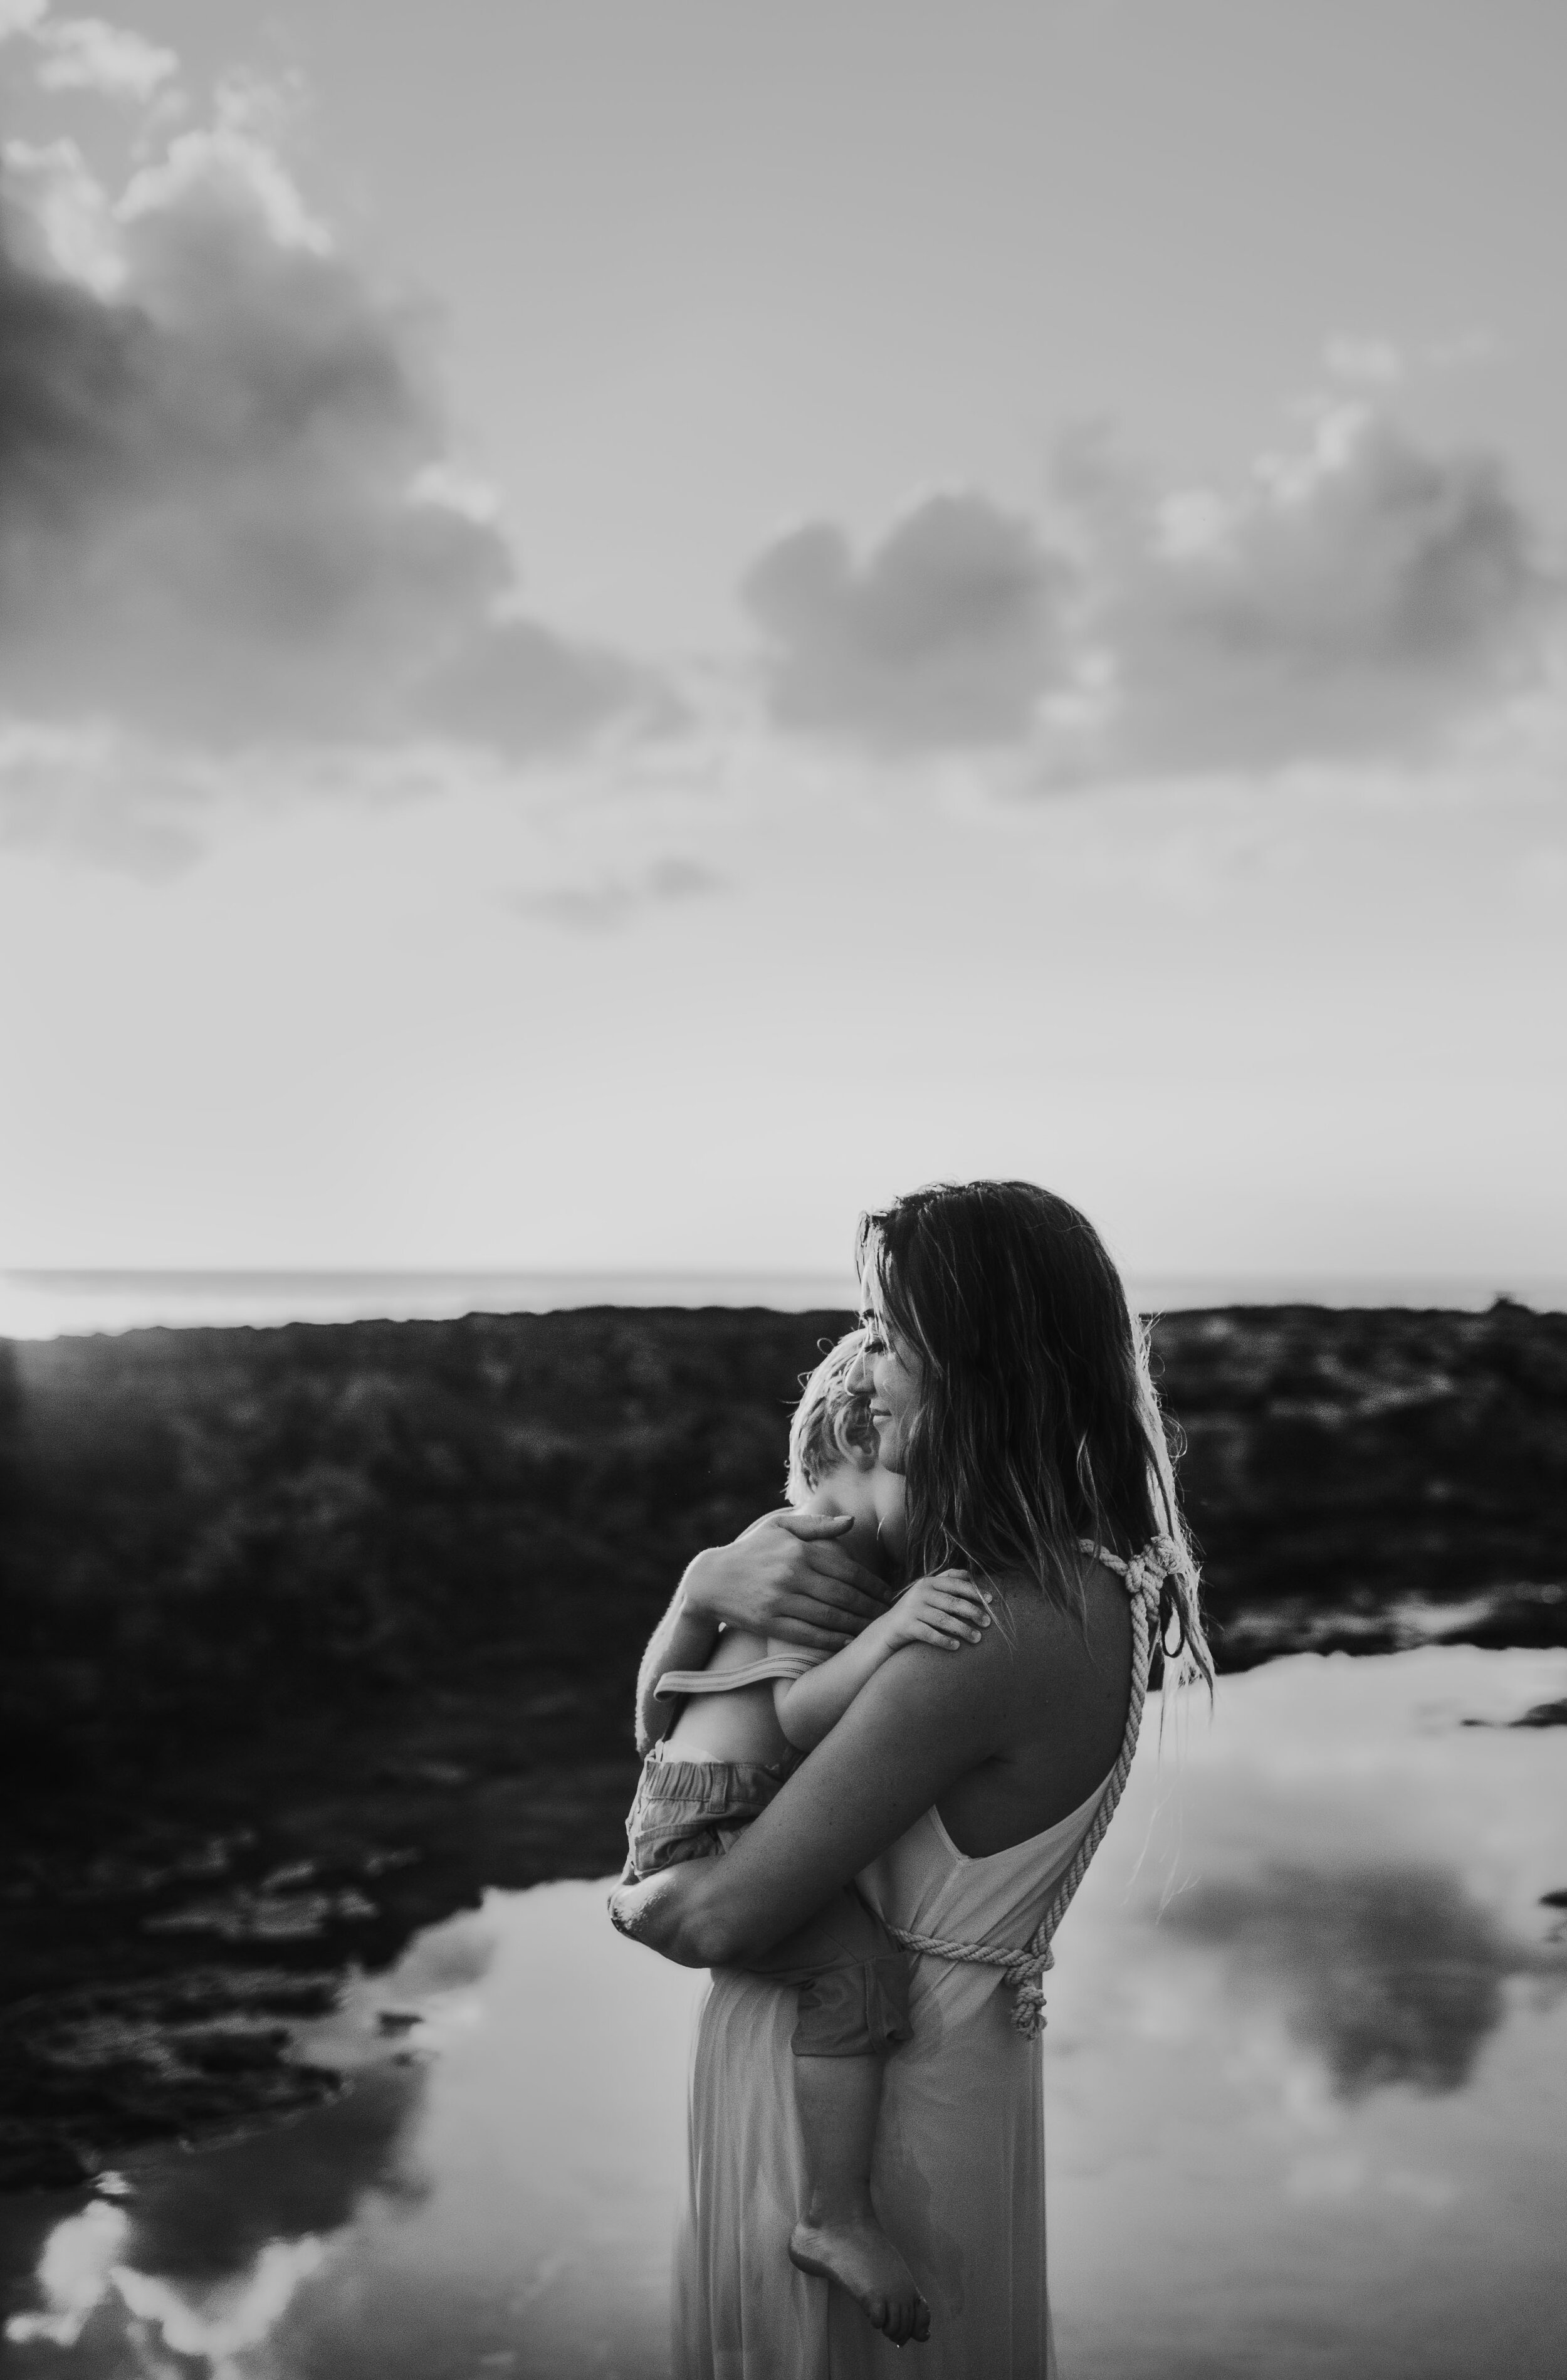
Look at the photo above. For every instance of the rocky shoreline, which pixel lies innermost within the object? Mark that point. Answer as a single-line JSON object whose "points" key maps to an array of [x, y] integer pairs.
{"points": [[308, 1636]]}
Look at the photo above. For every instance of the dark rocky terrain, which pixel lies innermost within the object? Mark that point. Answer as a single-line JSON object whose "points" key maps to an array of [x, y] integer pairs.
{"points": [[309, 1634]]}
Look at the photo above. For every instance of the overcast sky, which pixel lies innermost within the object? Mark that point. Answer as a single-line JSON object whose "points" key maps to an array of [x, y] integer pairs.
{"points": [[627, 625]]}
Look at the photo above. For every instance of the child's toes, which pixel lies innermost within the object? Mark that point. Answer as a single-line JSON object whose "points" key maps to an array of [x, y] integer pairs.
{"points": [[900, 2320], [922, 2321]]}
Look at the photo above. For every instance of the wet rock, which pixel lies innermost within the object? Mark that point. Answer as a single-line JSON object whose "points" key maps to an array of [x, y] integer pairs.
{"points": [[291, 1876], [88, 2073], [265, 1917], [35, 2156], [386, 1862], [445, 1774]]}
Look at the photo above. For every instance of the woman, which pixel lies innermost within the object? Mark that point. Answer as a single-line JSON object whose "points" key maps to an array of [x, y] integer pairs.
{"points": [[1008, 1383]]}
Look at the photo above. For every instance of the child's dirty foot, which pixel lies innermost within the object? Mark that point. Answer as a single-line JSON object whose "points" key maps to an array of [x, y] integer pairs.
{"points": [[859, 2256]]}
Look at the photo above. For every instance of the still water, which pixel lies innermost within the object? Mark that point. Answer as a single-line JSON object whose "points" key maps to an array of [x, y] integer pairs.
{"points": [[1305, 2091]]}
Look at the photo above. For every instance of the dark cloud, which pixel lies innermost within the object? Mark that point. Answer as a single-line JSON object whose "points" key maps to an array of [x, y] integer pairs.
{"points": [[225, 512], [520, 686], [944, 637], [1391, 1975]]}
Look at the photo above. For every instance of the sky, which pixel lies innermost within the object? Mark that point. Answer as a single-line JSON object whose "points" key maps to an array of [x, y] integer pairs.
{"points": [[627, 627]]}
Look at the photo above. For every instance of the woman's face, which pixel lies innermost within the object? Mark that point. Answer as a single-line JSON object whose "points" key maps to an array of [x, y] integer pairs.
{"points": [[889, 1369]]}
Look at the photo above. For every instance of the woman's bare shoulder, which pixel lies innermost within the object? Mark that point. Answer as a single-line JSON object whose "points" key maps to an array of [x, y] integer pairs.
{"points": [[972, 1701], [1059, 1650], [1038, 1658]]}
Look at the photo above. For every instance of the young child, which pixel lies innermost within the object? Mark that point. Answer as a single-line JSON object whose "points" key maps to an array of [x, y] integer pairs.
{"points": [[742, 1724]]}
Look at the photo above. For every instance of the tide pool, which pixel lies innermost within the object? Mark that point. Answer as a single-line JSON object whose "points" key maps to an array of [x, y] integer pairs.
{"points": [[1306, 2083]]}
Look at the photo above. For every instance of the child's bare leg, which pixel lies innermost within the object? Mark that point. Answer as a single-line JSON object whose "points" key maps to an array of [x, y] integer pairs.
{"points": [[838, 2235]]}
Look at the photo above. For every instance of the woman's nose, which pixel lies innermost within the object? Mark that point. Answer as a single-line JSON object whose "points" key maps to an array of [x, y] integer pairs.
{"points": [[857, 1379]]}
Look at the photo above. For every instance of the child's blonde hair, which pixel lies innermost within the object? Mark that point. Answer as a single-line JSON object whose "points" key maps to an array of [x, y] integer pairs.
{"points": [[831, 1422]]}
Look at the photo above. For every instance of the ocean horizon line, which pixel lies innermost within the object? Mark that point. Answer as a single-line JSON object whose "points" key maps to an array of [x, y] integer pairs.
{"points": [[48, 1302]]}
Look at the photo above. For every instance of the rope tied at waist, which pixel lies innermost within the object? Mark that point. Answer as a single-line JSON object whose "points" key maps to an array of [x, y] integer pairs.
{"points": [[1143, 1577]]}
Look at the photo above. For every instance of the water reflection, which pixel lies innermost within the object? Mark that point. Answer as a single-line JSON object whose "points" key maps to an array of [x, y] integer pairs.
{"points": [[302, 2182], [1394, 1973], [1306, 2045], [209, 2272], [1322, 2094]]}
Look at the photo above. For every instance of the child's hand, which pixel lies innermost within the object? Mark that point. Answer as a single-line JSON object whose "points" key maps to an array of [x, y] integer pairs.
{"points": [[949, 1609]]}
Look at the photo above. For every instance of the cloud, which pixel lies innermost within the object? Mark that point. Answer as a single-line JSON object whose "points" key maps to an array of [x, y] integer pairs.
{"points": [[227, 513], [59, 221], [945, 638], [611, 901], [1357, 597], [522, 688], [84, 54], [96, 795]]}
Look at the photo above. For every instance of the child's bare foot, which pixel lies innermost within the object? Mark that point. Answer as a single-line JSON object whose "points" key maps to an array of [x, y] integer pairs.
{"points": [[858, 2256]]}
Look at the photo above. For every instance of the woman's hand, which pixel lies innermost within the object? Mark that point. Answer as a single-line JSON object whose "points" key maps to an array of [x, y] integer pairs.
{"points": [[785, 1577], [949, 1609]]}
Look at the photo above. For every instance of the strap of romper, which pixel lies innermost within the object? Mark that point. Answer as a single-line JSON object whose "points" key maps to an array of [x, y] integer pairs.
{"points": [[674, 1683], [1026, 1969]]}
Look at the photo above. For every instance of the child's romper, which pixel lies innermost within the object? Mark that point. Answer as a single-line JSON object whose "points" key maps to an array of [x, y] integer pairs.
{"points": [[853, 1979]]}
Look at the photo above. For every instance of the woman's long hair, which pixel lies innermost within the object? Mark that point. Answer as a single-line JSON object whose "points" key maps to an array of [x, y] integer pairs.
{"points": [[1038, 1421]]}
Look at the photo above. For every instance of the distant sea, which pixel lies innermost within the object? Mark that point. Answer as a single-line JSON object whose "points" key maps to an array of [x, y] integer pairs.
{"points": [[49, 1305]]}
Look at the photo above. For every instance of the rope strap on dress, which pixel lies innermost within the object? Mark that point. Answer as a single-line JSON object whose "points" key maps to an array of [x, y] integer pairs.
{"points": [[1026, 1969]]}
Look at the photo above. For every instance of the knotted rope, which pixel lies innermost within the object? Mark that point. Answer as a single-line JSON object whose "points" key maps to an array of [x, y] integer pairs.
{"points": [[1025, 1970]]}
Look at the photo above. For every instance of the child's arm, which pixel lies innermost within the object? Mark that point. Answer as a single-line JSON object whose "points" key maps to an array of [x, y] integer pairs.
{"points": [[949, 1609], [682, 1640]]}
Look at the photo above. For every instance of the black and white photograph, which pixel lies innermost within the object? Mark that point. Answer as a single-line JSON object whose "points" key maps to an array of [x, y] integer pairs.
{"points": [[783, 1190]]}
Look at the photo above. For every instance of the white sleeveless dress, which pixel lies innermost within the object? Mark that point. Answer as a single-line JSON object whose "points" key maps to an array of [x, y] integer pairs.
{"points": [[959, 2179], [959, 2172]]}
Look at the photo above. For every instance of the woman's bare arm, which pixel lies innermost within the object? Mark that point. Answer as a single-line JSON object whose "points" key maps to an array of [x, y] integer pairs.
{"points": [[784, 1577], [921, 1722]]}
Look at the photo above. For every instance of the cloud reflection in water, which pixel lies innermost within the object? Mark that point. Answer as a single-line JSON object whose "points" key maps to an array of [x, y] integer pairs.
{"points": [[1307, 2063], [206, 2259], [1394, 1973]]}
